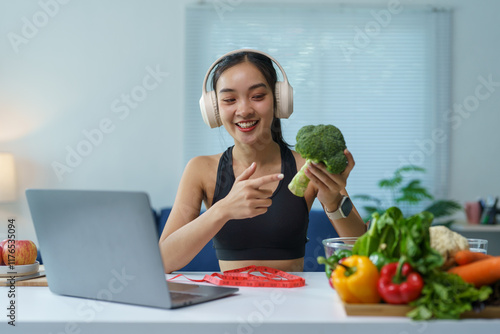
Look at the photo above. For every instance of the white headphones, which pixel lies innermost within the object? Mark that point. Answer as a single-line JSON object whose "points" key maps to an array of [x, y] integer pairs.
{"points": [[283, 93]]}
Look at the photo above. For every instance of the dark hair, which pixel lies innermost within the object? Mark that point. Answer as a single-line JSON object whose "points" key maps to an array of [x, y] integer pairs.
{"points": [[265, 66]]}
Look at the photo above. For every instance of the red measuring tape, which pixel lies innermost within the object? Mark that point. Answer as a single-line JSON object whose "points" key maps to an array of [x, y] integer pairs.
{"points": [[266, 278]]}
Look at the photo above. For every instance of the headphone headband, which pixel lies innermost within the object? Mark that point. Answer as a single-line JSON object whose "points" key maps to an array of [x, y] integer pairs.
{"points": [[283, 93], [285, 79]]}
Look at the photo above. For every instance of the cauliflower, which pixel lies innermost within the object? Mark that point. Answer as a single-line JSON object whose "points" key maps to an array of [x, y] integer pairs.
{"points": [[447, 243]]}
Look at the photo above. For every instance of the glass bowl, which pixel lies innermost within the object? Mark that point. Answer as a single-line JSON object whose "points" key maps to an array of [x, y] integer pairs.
{"points": [[334, 244], [478, 245]]}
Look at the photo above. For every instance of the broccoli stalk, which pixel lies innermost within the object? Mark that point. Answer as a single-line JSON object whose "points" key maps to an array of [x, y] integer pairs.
{"points": [[320, 143], [300, 181]]}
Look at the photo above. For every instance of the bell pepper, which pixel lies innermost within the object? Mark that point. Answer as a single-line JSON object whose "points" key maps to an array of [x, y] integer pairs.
{"points": [[379, 259], [329, 263], [399, 283], [333, 260], [355, 280], [343, 253]]}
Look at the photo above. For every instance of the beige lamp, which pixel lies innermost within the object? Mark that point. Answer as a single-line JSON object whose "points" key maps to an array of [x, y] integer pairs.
{"points": [[7, 178]]}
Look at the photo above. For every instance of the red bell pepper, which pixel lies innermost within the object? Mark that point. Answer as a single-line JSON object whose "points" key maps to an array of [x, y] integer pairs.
{"points": [[399, 283]]}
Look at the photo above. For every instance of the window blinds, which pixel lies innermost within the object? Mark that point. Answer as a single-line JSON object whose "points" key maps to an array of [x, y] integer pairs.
{"points": [[379, 74]]}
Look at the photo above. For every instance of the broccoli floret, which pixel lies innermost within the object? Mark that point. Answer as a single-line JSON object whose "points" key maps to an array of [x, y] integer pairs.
{"points": [[318, 143]]}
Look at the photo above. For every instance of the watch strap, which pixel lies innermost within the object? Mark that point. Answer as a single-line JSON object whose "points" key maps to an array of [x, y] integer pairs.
{"points": [[337, 214]]}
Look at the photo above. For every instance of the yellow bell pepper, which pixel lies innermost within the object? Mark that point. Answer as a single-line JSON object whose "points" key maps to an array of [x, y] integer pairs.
{"points": [[356, 280]]}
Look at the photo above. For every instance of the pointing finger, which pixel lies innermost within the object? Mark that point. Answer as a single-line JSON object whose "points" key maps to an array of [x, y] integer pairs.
{"points": [[247, 173], [267, 179]]}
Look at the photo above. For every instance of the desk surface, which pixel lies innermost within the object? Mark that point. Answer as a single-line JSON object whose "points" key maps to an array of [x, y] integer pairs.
{"points": [[464, 227], [314, 308]]}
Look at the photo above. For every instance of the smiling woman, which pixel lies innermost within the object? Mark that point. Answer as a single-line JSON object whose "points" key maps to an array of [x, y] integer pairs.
{"points": [[251, 215], [245, 102]]}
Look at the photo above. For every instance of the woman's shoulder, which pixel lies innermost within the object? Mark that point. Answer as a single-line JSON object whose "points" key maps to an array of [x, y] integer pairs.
{"points": [[201, 171], [203, 162]]}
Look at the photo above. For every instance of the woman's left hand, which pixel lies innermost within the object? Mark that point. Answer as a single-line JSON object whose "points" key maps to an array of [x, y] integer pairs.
{"points": [[330, 185]]}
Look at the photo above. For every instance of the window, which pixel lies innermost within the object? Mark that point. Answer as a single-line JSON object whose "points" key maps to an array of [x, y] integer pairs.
{"points": [[379, 74]]}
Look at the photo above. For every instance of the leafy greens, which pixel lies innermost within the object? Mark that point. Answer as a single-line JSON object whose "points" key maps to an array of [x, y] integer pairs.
{"points": [[395, 236], [445, 295]]}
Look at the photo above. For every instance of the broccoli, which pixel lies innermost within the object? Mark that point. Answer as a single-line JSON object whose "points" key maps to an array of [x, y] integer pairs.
{"points": [[318, 143]]}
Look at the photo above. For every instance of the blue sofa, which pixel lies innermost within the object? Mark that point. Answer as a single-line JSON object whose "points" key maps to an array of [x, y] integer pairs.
{"points": [[319, 228]]}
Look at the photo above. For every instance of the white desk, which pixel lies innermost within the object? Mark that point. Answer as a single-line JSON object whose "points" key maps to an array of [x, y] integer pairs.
{"points": [[314, 308]]}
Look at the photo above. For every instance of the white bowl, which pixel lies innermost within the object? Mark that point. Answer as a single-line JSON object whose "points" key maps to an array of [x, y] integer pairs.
{"points": [[28, 269]]}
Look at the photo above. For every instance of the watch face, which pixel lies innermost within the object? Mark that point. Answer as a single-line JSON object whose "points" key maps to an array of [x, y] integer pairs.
{"points": [[346, 206]]}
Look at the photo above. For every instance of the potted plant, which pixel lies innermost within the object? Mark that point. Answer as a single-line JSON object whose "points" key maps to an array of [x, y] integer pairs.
{"points": [[406, 194]]}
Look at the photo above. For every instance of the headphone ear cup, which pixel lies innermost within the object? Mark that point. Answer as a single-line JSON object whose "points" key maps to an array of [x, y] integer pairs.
{"points": [[284, 99], [209, 110]]}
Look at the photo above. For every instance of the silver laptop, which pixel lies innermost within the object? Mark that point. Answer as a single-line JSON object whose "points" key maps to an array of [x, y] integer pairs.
{"points": [[104, 245]]}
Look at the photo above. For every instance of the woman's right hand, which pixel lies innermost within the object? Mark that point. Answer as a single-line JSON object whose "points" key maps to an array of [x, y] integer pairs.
{"points": [[247, 199]]}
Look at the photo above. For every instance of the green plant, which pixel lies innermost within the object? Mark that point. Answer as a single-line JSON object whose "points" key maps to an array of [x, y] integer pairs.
{"points": [[408, 194]]}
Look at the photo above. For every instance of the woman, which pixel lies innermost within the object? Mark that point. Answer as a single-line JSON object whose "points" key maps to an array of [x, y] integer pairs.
{"points": [[251, 215]]}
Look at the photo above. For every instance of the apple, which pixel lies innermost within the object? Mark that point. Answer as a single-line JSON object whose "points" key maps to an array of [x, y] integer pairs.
{"points": [[25, 252], [1, 251]]}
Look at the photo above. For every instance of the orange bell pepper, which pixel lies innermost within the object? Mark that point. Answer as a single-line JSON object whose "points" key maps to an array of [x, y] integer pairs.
{"points": [[355, 280]]}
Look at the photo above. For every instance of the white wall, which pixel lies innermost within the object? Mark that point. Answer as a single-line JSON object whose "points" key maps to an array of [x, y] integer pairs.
{"points": [[64, 77], [475, 141]]}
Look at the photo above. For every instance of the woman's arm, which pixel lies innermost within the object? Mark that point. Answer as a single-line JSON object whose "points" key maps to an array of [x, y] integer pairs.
{"points": [[351, 226], [186, 232]]}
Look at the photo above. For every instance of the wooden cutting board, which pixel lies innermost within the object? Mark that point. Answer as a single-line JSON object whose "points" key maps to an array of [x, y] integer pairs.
{"points": [[39, 281], [384, 310]]}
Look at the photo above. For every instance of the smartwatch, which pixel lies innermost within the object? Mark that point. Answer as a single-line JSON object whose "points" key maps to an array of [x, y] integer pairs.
{"points": [[343, 211]]}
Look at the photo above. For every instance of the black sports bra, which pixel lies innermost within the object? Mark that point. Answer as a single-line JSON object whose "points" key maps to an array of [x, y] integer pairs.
{"points": [[278, 234]]}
